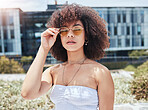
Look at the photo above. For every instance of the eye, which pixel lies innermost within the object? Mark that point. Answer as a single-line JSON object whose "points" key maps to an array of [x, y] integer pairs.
{"points": [[64, 30], [77, 29]]}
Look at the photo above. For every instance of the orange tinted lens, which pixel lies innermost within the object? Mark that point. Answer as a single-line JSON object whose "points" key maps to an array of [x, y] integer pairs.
{"points": [[64, 32], [77, 30]]}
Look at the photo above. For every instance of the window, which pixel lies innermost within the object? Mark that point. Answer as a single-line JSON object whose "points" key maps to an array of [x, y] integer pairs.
{"points": [[8, 46], [139, 30], [132, 16], [108, 18], [5, 46], [11, 19], [12, 34], [5, 34], [122, 30], [142, 41], [133, 30], [124, 18], [127, 42], [112, 17], [119, 42], [136, 41], [113, 42], [119, 18], [142, 16], [109, 30], [135, 18], [115, 30], [128, 30]]}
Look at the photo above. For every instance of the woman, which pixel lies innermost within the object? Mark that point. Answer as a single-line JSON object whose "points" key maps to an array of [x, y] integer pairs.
{"points": [[77, 36]]}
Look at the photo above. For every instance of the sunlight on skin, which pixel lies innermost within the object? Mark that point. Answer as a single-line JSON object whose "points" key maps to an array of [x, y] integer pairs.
{"points": [[96, 69]]}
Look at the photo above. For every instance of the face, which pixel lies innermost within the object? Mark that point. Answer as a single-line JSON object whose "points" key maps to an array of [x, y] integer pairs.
{"points": [[73, 36]]}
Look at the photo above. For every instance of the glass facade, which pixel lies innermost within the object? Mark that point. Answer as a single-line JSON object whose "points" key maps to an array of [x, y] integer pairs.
{"points": [[20, 31], [34, 23], [127, 27], [10, 42]]}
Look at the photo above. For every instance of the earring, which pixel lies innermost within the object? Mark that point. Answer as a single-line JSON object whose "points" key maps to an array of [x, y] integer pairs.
{"points": [[86, 42]]}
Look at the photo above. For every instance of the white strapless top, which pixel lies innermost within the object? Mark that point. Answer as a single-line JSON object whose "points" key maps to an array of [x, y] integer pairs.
{"points": [[74, 98]]}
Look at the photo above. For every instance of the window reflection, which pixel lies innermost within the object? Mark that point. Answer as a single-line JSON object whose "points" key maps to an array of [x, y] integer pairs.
{"points": [[138, 29]]}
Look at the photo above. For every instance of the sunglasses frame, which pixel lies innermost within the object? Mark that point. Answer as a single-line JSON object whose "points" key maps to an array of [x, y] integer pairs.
{"points": [[70, 29]]}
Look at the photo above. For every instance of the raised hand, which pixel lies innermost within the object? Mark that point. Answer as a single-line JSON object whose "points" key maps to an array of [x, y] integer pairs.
{"points": [[48, 38]]}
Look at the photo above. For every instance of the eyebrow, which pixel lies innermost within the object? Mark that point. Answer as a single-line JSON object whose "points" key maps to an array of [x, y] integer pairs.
{"points": [[77, 25], [73, 25]]}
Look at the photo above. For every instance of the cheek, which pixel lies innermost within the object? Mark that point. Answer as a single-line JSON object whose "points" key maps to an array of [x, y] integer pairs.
{"points": [[63, 41]]}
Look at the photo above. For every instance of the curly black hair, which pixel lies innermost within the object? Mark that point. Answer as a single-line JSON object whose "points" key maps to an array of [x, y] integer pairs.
{"points": [[94, 26]]}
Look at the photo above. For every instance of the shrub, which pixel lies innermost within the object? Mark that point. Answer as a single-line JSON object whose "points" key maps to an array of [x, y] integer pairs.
{"points": [[10, 94], [26, 59], [130, 68], [140, 83], [138, 53], [115, 65], [10, 66]]}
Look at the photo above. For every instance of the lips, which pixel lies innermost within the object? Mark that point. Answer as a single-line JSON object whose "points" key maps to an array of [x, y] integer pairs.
{"points": [[71, 42]]}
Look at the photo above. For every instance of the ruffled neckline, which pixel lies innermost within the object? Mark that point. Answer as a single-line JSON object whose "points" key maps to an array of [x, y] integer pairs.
{"points": [[75, 86]]}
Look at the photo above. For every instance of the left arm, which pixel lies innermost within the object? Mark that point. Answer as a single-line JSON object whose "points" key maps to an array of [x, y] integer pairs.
{"points": [[105, 88]]}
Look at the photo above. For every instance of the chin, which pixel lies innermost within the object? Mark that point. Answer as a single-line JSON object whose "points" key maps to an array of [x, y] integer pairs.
{"points": [[73, 48]]}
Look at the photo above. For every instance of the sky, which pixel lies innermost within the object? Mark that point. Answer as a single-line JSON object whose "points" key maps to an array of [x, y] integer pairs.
{"points": [[41, 5]]}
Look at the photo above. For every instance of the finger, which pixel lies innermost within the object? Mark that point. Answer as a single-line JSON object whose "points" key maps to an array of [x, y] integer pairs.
{"points": [[55, 30], [48, 33]]}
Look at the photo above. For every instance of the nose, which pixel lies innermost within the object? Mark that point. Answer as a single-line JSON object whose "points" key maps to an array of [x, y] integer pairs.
{"points": [[70, 33]]}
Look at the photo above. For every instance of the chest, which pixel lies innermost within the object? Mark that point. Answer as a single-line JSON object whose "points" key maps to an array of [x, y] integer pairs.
{"points": [[76, 75]]}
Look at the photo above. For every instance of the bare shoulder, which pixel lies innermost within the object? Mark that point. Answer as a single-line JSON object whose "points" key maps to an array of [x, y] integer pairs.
{"points": [[98, 67], [100, 71]]}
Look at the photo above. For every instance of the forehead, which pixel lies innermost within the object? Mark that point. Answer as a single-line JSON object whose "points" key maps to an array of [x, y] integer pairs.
{"points": [[71, 24]]}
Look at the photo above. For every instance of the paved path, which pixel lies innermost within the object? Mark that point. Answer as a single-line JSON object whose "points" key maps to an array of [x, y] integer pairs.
{"points": [[11, 77], [127, 106]]}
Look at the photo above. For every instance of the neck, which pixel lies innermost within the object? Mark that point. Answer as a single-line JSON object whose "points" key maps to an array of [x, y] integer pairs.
{"points": [[75, 56]]}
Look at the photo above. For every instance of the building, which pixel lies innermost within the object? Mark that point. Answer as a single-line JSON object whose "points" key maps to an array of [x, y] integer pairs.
{"points": [[10, 31], [128, 28], [34, 23], [20, 31]]}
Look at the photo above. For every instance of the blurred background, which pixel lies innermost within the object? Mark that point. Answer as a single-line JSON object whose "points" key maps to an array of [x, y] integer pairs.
{"points": [[23, 21]]}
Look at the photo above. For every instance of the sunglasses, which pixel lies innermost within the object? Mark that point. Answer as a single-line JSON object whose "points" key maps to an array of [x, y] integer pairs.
{"points": [[77, 30]]}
